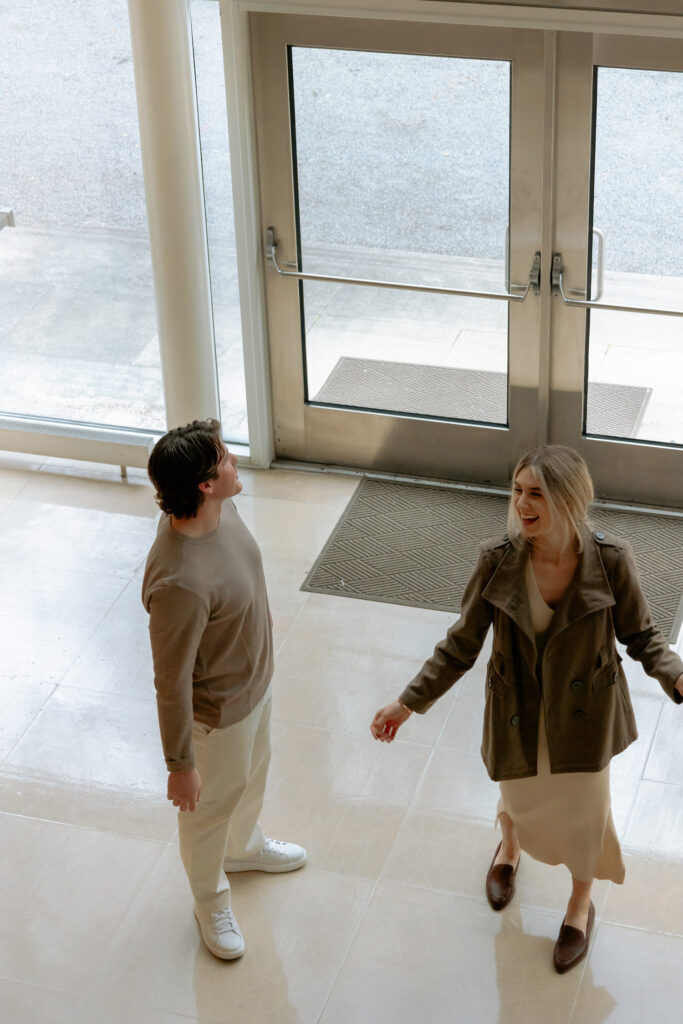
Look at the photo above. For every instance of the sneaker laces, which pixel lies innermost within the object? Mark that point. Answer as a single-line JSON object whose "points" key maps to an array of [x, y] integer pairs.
{"points": [[276, 846], [224, 921]]}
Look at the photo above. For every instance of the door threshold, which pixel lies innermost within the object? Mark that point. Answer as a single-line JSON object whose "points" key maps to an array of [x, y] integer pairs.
{"points": [[458, 485]]}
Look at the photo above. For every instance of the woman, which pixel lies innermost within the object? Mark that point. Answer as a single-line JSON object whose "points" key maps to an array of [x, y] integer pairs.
{"points": [[557, 703]]}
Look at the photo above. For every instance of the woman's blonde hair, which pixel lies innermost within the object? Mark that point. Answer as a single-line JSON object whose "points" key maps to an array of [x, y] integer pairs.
{"points": [[566, 485]]}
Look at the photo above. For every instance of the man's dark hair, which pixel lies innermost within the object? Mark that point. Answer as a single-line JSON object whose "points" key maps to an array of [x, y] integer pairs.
{"points": [[180, 461]]}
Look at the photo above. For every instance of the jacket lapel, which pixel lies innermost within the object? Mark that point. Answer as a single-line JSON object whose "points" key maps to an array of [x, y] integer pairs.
{"points": [[507, 589], [588, 592]]}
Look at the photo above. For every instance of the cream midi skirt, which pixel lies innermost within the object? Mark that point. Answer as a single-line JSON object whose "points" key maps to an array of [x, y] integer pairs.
{"points": [[565, 819]]}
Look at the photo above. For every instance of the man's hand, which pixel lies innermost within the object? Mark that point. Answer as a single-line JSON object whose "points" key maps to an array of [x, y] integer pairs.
{"points": [[679, 684], [184, 789]]}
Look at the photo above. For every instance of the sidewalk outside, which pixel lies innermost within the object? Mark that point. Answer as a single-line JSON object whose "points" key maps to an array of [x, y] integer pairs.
{"points": [[78, 331]]}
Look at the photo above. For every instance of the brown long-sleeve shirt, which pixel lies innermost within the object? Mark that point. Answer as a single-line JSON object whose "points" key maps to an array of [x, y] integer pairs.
{"points": [[209, 627]]}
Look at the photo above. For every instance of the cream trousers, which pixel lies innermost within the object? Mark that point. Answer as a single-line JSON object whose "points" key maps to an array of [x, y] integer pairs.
{"points": [[233, 765]]}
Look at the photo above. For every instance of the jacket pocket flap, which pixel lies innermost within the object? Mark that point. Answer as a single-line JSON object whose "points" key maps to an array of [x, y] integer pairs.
{"points": [[606, 677], [606, 655], [494, 681]]}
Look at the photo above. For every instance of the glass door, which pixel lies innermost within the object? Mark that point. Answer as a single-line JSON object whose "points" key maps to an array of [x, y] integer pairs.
{"points": [[473, 245], [400, 173], [617, 335]]}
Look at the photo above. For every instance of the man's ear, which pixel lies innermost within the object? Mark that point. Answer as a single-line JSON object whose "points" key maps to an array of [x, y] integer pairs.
{"points": [[205, 486]]}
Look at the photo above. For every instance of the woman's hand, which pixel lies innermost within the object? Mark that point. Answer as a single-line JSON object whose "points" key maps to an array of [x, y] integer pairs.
{"points": [[678, 685], [388, 720]]}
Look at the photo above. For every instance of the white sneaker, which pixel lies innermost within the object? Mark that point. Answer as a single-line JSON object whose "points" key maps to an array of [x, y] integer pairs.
{"points": [[275, 857], [221, 933]]}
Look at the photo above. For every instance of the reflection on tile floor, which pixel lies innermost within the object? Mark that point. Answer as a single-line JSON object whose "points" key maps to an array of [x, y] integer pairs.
{"points": [[388, 920]]}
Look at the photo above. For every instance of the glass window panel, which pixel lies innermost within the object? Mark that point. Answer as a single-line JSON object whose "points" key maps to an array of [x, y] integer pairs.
{"points": [[372, 348], [635, 362], [78, 336], [402, 169], [213, 130]]}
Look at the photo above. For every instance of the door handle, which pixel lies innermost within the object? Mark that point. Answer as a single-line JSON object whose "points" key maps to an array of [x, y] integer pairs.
{"points": [[534, 282], [557, 284]]}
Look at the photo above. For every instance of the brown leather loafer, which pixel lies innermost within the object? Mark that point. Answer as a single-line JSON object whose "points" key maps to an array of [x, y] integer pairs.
{"points": [[500, 882], [572, 945]]}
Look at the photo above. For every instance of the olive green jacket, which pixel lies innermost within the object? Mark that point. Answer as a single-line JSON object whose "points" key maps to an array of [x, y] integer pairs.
{"points": [[588, 712]]}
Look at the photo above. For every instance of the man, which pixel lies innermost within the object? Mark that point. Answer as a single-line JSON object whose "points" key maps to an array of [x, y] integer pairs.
{"points": [[211, 634]]}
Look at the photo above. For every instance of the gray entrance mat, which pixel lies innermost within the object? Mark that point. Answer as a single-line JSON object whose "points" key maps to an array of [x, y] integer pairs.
{"points": [[614, 410], [415, 544]]}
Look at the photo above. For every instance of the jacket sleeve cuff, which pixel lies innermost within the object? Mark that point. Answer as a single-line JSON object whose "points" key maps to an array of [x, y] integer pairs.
{"points": [[411, 699], [669, 683]]}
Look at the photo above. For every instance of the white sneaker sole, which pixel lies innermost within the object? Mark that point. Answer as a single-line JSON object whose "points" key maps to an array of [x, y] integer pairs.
{"points": [[231, 867], [222, 954]]}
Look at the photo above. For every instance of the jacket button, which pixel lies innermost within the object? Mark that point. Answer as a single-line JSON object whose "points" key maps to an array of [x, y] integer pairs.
{"points": [[575, 684], [580, 713], [490, 684], [615, 676], [599, 535], [514, 720]]}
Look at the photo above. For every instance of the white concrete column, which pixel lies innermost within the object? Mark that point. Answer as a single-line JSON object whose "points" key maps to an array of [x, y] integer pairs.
{"points": [[169, 136], [249, 244]]}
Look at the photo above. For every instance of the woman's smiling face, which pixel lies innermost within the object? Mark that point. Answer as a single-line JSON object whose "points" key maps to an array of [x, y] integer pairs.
{"points": [[530, 505]]}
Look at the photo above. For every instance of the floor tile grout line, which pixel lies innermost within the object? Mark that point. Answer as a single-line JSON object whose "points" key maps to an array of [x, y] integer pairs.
{"points": [[92, 633], [289, 630], [535, 907], [662, 782], [29, 479], [641, 929], [457, 691], [584, 969], [353, 735], [129, 575], [126, 697], [60, 682], [35, 985], [641, 779], [481, 899], [406, 815], [646, 759], [102, 966], [347, 950], [134, 837], [6, 759], [377, 882]]}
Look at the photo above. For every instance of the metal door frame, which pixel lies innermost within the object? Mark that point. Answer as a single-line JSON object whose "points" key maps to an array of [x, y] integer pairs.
{"points": [[631, 471], [379, 441], [546, 370]]}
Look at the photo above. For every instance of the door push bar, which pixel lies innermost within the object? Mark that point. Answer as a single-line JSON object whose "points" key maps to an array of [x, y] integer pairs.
{"points": [[534, 281], [558, 288]]}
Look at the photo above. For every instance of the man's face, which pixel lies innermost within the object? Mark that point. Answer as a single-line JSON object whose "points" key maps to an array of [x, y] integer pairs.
{"points": [[226, 483]]}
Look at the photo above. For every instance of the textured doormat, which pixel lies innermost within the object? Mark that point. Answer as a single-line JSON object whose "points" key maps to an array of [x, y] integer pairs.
{"points": [[414, 544], [614, 410]]}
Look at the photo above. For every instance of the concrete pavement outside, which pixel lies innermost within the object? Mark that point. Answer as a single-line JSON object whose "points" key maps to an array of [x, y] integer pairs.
{"points": [[78, 332]]}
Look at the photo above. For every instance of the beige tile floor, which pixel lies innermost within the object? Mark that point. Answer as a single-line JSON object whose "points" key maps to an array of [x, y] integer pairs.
{"points": [[388, 920]]}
